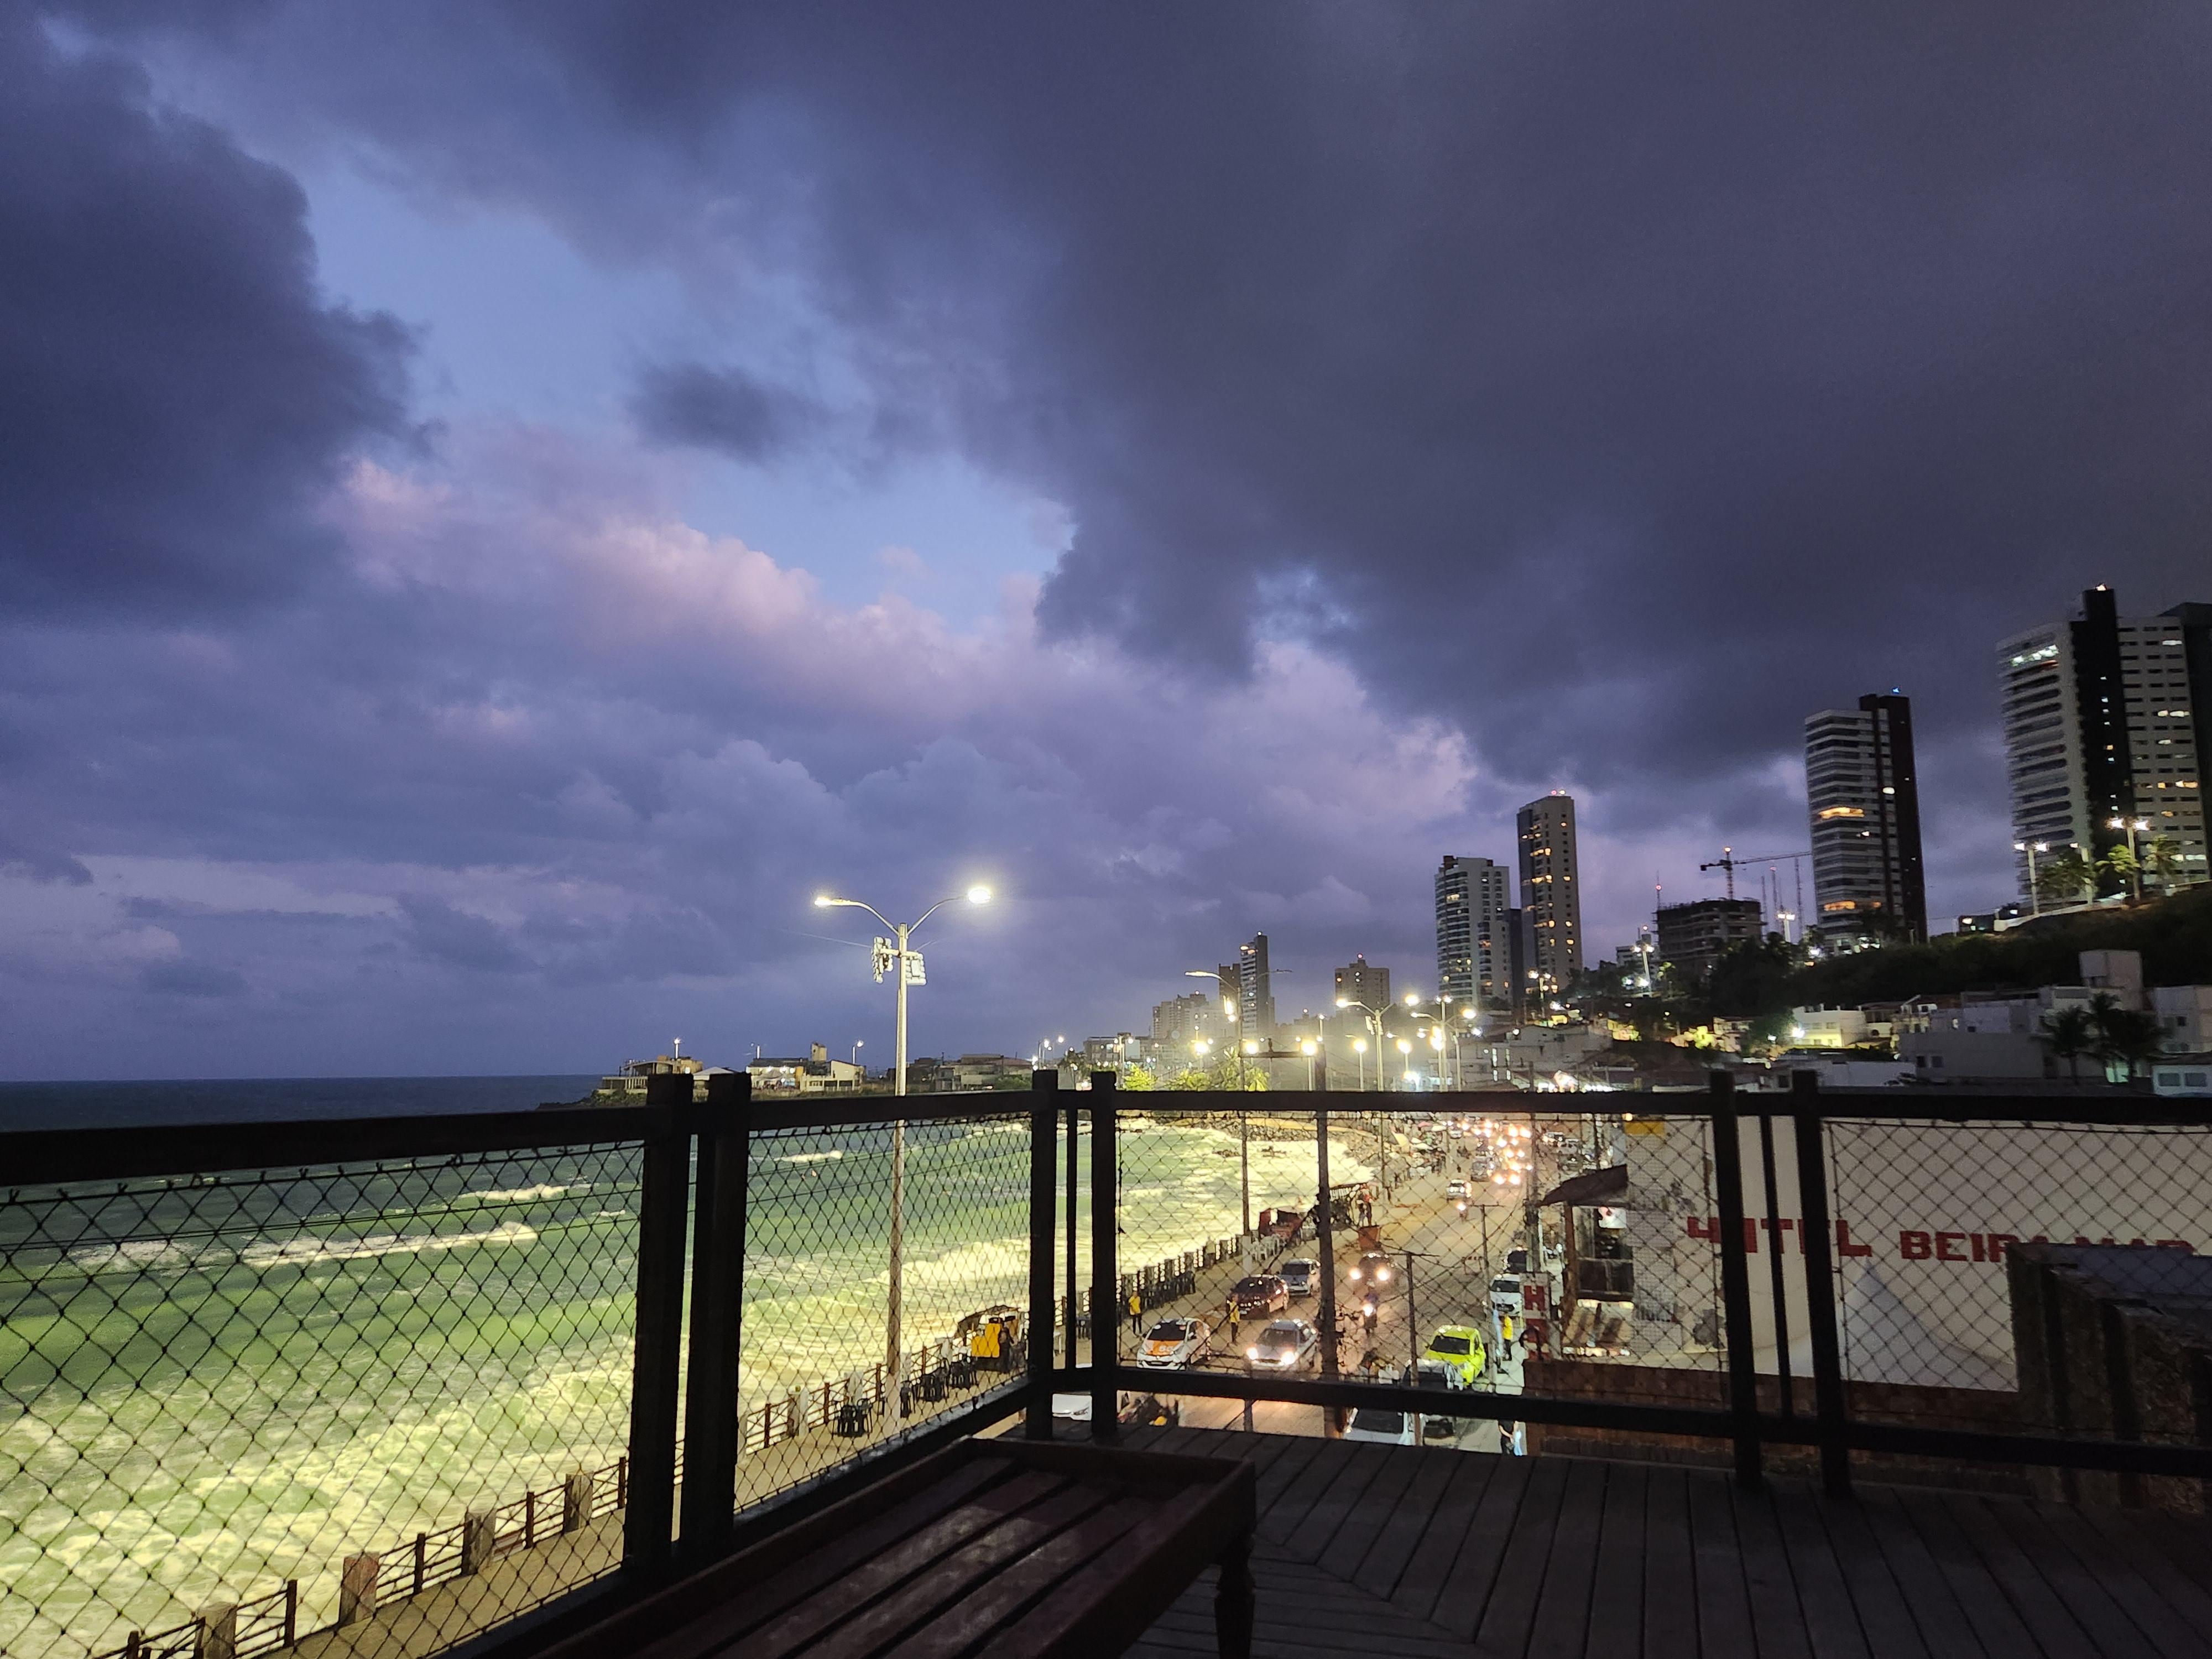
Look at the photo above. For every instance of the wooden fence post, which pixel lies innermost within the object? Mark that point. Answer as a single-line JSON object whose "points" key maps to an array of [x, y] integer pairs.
{"points": [[357, 1588], [479, 1539], [576, 1501], [219, 1631]]}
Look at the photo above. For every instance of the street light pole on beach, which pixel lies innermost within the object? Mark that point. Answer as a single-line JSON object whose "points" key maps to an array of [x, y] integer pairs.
{"points": [[906, 963], [1243, 1122]]}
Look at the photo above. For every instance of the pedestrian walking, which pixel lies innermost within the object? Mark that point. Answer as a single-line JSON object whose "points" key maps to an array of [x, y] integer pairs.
{"points": [[1236, 1318], [1136, 1314]]}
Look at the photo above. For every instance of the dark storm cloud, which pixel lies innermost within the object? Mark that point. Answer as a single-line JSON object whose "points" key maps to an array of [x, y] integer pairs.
{"points": [[724, 410], [1624, 382], [174, 394]]}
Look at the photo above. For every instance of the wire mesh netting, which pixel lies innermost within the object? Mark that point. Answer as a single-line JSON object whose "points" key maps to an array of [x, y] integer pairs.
{"points": [[1930, 1212], [1448, 1268], [243, 1405], [886, 1282]]}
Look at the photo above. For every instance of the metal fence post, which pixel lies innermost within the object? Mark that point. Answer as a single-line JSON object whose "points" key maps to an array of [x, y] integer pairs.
{"points": [[1105, 1281], [650, 1522], [1074, 1186], [1333, 1417], [1817, 1235], [718, 1283], [1044, 1134], [1777, 1264], [1735, 1281]]}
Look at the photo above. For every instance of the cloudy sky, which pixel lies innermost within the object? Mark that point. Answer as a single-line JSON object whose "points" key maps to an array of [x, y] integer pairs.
{"points": [[501, 503]]}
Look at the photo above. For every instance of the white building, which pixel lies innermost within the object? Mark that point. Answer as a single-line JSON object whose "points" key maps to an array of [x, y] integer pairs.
{"points": [[1474, 942], [2101, 717], [2185, 1018], [1830, 1028], [1864, 796], [1551, 893]]}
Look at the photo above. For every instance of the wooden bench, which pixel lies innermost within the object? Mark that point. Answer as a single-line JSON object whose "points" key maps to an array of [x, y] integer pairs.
{"points": [[992, 1549]]}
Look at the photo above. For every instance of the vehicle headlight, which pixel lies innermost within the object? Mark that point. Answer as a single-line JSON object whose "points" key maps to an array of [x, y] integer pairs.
{"points": [[1251, 1353]]}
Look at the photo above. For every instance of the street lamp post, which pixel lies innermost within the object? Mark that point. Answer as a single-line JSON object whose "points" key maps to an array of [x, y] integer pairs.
{"points": [[2031, 847], [1243, 1117], [2135, 874], [1374, 1018], [894, 1294], [1359, 1048]]}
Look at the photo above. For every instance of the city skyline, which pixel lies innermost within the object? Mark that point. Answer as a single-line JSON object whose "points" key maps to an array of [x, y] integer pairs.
{"points": [[505, 504]]}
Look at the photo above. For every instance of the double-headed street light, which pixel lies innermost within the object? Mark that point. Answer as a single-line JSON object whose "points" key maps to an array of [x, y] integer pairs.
{"points": [[905, 962], [2135, 874]]}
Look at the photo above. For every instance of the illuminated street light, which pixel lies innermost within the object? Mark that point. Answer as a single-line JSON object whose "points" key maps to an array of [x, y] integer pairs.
{"points": [[898, 958]]}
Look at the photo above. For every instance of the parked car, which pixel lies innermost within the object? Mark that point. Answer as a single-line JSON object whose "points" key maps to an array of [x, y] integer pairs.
{"points": [[1260, 1293], [1283, 1344], [1174, 1342], [1297, 1276], [1071, 1407], [1386, 1427], [1372, 1268], [1458, 1349]]}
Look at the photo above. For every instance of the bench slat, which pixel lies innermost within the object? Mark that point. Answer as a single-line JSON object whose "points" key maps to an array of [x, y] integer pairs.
{"points": [[883, 1573], [1109, 1603], [958, 1576], [962, 1626], [795, 1561]]}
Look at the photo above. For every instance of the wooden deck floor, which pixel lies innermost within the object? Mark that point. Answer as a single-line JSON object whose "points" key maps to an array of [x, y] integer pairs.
{"points": [[1415, 1554]]}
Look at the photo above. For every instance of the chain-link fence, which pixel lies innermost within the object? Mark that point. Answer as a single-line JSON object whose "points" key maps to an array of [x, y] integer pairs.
{"points": [[245, 1405], [1469, 1247], [887, 1281], [1931, 1213]]}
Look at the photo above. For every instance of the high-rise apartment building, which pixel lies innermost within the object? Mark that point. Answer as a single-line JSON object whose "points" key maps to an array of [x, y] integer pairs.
{"points": [[1693, 937], [1864, 799], [1474, 943], [2102, 715], [1182, 1021], [1361, 983], [1551, 893], [1255, 995]]}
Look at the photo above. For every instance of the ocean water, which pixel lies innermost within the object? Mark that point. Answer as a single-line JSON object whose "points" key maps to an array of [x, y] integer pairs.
{"points": [[239, 1100], [206, 1388]]}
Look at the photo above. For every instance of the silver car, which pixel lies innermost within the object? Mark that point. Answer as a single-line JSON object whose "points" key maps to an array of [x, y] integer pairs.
{"points": [[1283, 1344]]}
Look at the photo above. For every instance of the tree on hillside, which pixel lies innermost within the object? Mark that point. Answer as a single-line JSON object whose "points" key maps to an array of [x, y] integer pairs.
{"points": [[2161, 861], [1752, 978], [2069, 1033], [2125, 1036], [2120, 865], [2065, 876]]}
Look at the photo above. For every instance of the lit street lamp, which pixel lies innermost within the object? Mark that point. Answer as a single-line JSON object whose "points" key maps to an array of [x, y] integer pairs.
{"points": [[1374, 1018], [899, 956]]}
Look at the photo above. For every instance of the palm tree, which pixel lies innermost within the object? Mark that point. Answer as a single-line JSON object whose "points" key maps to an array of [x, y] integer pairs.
{"points": [[2124, 1036], [2162, 861], [2125, 868], [2066, 876], [2069, 1033]]}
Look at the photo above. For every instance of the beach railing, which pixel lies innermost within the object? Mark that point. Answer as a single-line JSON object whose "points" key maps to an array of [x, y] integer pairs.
{"points": [[1765, 1276]]}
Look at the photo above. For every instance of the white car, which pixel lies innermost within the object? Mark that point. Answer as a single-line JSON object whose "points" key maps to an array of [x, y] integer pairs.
{"points": [[1283, 1344], [1381, 1425], [1071, 1407], [1173, 1343]]}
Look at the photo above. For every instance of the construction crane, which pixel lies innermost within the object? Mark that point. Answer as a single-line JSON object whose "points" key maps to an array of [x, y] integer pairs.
{"points": [[1729, 862]]}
